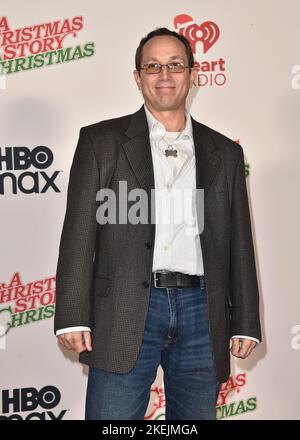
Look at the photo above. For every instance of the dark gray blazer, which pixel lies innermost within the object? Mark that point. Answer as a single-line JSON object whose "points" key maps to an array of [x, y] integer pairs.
{"points": [[103, 274]]}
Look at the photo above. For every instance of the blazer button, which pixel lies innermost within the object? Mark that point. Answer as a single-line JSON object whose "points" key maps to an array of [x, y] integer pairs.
{"points": [[145, 284], [148, 245]]}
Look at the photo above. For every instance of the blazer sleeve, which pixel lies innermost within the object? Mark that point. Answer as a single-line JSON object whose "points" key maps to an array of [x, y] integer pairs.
{"points": [[244, 294], [74, 272]]}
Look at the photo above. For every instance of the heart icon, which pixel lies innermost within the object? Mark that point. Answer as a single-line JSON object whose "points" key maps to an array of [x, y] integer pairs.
{"points": [[208, 32]]}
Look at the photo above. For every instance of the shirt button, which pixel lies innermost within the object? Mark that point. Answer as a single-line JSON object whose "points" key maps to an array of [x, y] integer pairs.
{"points": [[148, 245], [145, 284]]}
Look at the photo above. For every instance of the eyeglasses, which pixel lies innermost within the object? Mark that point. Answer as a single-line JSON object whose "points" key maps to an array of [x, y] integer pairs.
{"points": [[176, 67]]}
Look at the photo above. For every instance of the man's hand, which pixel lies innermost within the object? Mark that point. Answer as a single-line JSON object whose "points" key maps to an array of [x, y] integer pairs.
{"points": [[242, 347], [76, 341]]}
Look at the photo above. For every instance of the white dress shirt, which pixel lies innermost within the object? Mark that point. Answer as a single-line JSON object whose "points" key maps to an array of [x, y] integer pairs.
{"points": [[177, 243]]}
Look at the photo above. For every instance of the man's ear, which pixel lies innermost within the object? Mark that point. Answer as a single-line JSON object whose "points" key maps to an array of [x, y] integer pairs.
{"points": [[137, 78], [193, 76]]}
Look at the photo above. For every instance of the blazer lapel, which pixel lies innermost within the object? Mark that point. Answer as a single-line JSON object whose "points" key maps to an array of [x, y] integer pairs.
{"points": [[206, 157], [138, 152]]}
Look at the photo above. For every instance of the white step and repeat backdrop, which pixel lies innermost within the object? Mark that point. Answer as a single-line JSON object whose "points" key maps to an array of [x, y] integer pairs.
{"points": [[76, 68]]}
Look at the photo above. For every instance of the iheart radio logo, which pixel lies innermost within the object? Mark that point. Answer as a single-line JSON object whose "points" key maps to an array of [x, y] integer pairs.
{"points": [[207, 33], [201, 38]]}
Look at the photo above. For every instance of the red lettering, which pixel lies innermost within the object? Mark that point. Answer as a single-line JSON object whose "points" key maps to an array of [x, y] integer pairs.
{"points": [[3, 24]]}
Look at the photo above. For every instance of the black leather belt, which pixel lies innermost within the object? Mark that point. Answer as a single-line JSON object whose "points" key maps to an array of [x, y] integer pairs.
{"points": [[177, 279]]}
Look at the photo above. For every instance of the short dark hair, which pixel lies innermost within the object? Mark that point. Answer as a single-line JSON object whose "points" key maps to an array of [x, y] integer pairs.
{"points": [[157, 33]]}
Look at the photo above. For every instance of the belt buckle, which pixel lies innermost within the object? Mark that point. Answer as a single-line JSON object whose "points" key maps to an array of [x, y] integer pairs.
{"points": [[155, 280]]}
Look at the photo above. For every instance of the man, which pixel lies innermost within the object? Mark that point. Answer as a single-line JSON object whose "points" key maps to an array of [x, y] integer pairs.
{"points": [[134, 295]]}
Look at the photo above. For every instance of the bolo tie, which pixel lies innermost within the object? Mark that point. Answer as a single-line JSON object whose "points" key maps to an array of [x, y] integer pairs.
{"points": [[170, 151]]}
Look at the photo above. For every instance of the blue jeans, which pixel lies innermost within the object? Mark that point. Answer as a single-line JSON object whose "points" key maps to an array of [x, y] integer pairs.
{"points": [[176, 336]]}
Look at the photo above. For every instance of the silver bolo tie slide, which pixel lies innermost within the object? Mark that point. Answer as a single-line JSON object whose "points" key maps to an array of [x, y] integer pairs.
{"points": [[170, 151]]}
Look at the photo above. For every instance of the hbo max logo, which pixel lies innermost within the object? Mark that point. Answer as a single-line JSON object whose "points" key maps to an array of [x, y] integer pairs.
{"points": [[15, 176], [30, 401]]}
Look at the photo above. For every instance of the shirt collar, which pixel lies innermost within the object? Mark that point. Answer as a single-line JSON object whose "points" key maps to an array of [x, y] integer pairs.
{"points": [[157, 130]]}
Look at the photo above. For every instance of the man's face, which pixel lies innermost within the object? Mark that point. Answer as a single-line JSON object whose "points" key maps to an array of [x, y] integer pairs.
{"points": [[164, 91]]}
